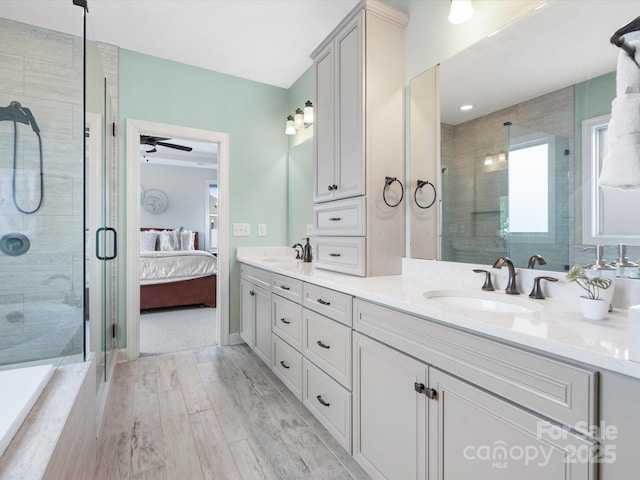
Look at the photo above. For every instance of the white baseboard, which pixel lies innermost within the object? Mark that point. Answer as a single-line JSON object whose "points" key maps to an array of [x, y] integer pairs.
{"points": [[235, 339]]}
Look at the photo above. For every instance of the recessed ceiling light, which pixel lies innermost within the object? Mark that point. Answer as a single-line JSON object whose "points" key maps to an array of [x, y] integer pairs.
{"points": [[464, 108]]}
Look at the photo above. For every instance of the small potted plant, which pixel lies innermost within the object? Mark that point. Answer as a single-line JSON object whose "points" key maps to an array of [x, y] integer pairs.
{"points": [[593, 307]]}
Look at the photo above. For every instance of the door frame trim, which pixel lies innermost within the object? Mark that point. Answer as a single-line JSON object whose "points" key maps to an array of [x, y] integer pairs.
{"points": [[135, 128]]}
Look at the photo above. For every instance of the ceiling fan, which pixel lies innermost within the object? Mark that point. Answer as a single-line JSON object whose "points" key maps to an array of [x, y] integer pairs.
{"points": [[155, 141]]}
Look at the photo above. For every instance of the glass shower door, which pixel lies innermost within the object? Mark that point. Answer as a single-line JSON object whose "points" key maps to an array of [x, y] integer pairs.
{"points": [[101, 237], [538, 206]]}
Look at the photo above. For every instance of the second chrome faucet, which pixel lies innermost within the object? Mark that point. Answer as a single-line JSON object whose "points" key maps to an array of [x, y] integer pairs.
{"points": [[512, 288]]}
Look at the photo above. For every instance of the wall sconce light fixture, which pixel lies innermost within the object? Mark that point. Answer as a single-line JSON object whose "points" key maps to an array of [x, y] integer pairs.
{"points": [[461, 11], [301, 120]]}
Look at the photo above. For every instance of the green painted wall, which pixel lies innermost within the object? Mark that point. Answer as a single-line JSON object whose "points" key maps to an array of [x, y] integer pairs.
{"points": [[301, 162], [253, 114]]}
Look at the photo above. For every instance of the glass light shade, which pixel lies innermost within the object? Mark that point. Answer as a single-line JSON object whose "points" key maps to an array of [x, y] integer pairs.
{"points": [[502, 157], [488, 160], [291, 129], [297, 120], [308, 112], [461, 11]]}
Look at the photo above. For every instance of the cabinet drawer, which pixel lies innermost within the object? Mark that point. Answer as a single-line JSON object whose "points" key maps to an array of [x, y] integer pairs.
{"points": [[328, 345], [328, 401], [286, 363], [341, 254], [341, 218], [256, 276], [555, 389], [287, 287], [330, 303], [287, 321]]}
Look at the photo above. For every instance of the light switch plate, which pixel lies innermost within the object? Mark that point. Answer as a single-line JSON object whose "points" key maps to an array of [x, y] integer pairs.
{"points": [[262, 230], [310, 229], [241, 229]]}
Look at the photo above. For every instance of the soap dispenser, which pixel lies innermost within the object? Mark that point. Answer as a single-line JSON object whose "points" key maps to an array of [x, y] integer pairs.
{"points": [[624, 268], [600, 269], [307, 256]]}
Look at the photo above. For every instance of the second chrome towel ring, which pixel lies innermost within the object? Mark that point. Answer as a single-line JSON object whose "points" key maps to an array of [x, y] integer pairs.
{"points": [[422, 183], [387, 182]]}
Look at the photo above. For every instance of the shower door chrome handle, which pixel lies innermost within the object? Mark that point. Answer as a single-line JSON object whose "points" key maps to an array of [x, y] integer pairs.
{"points": [[115, 243]]}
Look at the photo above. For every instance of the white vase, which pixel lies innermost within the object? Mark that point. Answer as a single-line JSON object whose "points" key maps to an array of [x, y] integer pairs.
{"points": [[594, 309]]}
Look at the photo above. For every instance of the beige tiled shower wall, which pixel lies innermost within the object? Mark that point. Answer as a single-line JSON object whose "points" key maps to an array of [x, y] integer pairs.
{"points": [[470, 227], [41, 291]]}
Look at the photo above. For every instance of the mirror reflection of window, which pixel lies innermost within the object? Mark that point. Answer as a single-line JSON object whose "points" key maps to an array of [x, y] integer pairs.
{"points": [[529, 189], [615, 213]]}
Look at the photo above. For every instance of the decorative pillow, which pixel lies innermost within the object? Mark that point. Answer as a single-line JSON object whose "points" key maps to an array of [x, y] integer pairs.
{"points": [[170, 240], [188, 238], [148, 240]]}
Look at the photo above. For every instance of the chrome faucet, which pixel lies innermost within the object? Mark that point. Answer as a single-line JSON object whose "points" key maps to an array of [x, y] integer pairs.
{"points": [[511, 289], [534, 259]]}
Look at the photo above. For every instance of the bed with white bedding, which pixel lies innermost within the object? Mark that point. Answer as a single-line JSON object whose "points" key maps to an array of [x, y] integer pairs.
{"points": [[177, 277]]}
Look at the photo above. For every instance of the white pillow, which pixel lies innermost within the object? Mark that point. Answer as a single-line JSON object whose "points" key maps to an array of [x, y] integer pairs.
{"points": [[148, 240], [188, 239], [170, 240]]}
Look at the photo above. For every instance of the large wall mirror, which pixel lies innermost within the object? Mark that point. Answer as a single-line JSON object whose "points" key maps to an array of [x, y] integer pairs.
{"points": [[518, 170]]}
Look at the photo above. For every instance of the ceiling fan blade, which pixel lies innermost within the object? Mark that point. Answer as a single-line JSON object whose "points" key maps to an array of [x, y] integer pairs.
{"points": [[150, 140], [173, 145]]}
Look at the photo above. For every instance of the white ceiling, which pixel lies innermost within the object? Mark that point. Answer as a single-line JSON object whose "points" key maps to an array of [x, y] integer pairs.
{"points": [[560, 44], [267, 41]]}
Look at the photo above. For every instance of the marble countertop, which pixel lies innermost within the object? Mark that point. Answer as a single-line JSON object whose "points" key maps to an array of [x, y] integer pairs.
{"points": [[557, 328]]}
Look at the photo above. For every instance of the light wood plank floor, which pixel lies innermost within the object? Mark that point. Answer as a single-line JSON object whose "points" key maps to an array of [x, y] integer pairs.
{"points": [[213, 413]]}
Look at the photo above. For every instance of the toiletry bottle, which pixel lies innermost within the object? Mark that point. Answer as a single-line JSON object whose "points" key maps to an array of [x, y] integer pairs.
{"points": [[624, 268], [306, 251], [600, 269]]}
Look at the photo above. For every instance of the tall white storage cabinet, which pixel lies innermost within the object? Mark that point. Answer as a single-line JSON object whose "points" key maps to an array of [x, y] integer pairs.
{"points": [[359, 141]]}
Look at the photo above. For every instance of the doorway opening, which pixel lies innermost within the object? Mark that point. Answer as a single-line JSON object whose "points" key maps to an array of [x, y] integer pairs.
{"points": [[165, 201]]}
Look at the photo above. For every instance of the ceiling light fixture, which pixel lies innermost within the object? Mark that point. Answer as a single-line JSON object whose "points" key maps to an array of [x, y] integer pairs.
{"points": [[461, 11], [464, 108], [301, 120]]}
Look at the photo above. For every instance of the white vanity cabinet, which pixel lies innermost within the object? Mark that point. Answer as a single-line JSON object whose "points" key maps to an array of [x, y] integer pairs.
{"points": [[359, 141], [389, 416], [255, 310], [415, 421]]}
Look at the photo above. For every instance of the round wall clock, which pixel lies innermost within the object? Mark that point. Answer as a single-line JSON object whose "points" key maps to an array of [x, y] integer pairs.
{"points": [[155, 201]]}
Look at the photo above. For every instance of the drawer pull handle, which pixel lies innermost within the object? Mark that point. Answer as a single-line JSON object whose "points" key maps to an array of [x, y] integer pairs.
{"points": [[322, 402], [334, 254], [323, 302], [284, 287], [335, 219], [323, 345], [284, 364], [286, 322]]}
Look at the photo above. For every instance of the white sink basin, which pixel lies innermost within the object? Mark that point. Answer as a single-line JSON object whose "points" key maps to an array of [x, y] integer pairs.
{"points": [[485, 301]]}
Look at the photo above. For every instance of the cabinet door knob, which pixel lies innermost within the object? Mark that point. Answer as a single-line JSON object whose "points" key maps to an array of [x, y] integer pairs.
{"points": [[418, 387], [323, 345], [322, 402], [323, 302], [284, 364], [286, 322], [330, 187], [431, 393], [335, 187], [252, 293]]}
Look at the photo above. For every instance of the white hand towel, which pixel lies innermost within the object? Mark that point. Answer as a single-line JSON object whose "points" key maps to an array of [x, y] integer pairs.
{"points": [[621, 166]]}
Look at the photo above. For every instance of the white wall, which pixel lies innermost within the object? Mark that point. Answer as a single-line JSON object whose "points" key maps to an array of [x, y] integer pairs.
{"points": [[186, 189]]}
